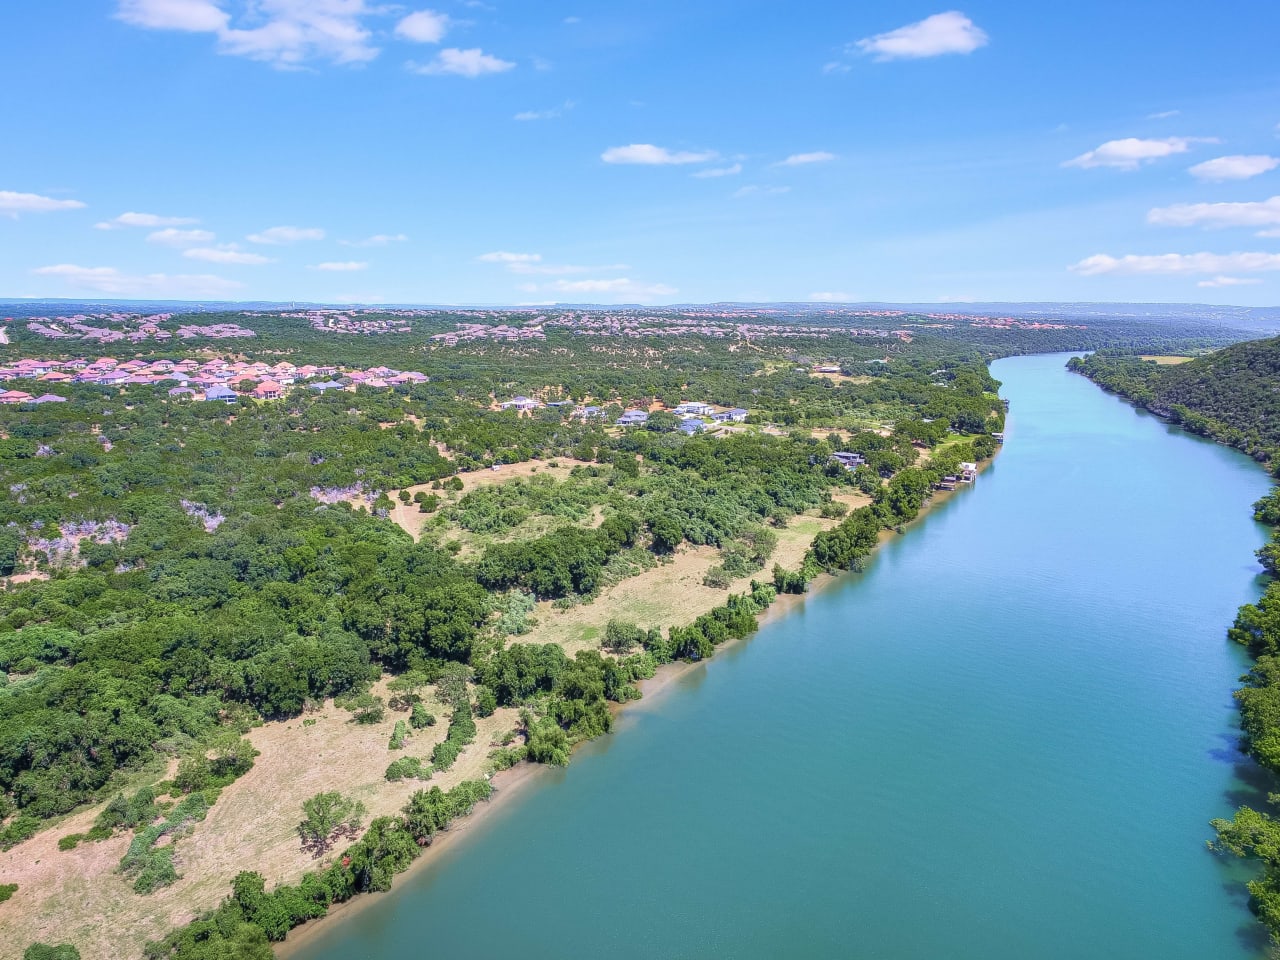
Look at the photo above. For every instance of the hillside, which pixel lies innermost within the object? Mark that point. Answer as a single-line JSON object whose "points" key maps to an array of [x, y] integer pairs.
{"points": [[1231, 395]]}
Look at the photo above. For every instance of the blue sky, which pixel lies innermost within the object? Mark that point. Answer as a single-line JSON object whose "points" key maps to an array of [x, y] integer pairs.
{"points": [[504, 152]]}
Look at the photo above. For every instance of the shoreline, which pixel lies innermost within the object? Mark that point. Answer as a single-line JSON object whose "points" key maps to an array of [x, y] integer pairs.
{"points": [[508, 783]]}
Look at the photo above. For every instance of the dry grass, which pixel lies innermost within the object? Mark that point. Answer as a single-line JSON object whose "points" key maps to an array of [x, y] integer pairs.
{"points": [[1166, 361], [75, 896]]}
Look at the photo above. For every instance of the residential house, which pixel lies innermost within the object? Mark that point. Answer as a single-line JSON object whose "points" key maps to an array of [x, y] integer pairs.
{"points": [[325, 386], [521, 404], [694, 409], [633, 418], [49, 398], [220, 392], [268, 390], [736, 415], [850, 461], [691, 425]]}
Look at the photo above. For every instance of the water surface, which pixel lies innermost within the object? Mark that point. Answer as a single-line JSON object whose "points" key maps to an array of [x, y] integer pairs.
{"points": [[1003, 741]]}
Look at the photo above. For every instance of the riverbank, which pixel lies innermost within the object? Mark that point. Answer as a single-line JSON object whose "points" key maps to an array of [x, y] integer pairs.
{"points": [[507, 784]]}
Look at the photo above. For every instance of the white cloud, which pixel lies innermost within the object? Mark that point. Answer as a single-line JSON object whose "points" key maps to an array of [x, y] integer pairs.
{"points": [[753, 190], [943, 33], [1260, 213], [425, 26], [1271, 234], [284, 33], [1177, 264], [112, 281], [195, 16], [345, 266], [1229, 282], [802, 159], [730, 171], [283, 236], [829, 296], [148, 220], [502, 256], [558, 269], [835, 66], [377, 240], [1235, 167], [551, 114], [463, 63], [1132, 152], [649, 155], [182, 239], [1163, 114], [228, 253], [572, 20], [12, 204]]}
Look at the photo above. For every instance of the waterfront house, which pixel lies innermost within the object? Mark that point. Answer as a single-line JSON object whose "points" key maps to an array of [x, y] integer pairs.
{"points": [[968, 472]]}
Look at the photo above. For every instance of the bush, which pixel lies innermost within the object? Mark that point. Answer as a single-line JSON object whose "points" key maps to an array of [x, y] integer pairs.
{"points": [[506, 757], [399, 736], [7, 890], [408, 768], [364, 707], [70, 841], [421, 718], [486, 702]]}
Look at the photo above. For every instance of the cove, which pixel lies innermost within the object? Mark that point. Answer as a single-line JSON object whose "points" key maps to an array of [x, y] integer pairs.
{"points": [[1004, 740]]}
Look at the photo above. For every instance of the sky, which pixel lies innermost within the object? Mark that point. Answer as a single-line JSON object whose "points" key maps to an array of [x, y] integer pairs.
{"points": [[505, 152]]}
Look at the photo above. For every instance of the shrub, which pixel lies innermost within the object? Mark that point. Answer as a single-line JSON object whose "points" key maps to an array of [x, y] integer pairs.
{"points": [[7, 890], [70, 841], [328, 816], [41, 951], [408, 768], [421, 717], [399, 736]]}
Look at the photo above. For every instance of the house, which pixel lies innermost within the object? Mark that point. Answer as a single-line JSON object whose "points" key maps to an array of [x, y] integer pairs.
{"points": [[14, 396], [736, 415], [998, 438], [521, 404], [968, 472], [324, 386], [633, 418], [267, 390], [49, 398], [589, 413], [850, 461], [182, 392], [219, 392], [691, 425], [827, 368], [694, 409]]}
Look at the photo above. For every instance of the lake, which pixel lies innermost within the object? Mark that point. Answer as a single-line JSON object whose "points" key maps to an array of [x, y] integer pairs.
{"points": [[1005, 740]]}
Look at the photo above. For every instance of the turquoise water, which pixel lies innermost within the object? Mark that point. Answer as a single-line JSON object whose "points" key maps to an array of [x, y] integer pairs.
{"points": [[1003, 741]]}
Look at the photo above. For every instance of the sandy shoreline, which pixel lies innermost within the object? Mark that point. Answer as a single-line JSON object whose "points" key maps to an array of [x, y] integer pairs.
{"points": [[507, 784]]}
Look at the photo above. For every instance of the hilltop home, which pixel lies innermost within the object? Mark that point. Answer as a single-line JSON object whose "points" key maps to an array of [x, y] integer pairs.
{"points": [[736, 415], [850, 461], [521, 404], [633, 418], [694, 408]]}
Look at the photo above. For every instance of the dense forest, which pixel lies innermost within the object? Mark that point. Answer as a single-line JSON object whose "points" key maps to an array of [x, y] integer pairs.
{"points": [[178, 572]]}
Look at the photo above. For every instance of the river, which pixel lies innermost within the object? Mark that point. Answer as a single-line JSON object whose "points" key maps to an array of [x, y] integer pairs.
{"points": [[1003, 741]]}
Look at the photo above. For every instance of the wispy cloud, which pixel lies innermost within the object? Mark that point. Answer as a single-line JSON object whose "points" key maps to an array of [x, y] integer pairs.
{"points": [[463, 63], [502, 256], [344, 266], [1236, 167], [172, 237], [934, 36], [284, 236], [804, 159], [148, 220], [284, 33], [377, 240], [831, 296], [112, 281], [1229, 282], [1259, 213], [1132, 152], [1174, 264], [12, 204], [227, 254], [730, 171], [1164, 115], [551, 114], [647, 154]]}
